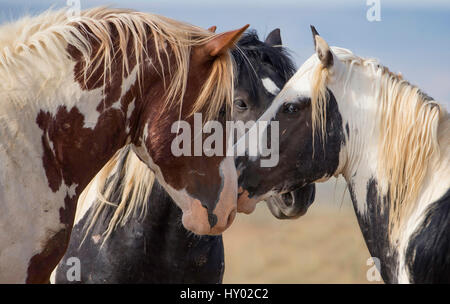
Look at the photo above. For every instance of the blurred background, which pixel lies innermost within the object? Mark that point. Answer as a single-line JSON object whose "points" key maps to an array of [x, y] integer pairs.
{"points": [[412, 37]]}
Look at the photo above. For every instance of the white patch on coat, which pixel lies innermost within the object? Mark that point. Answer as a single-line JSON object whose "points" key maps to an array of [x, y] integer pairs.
{"points": [[129, 81], [130, 110], [88, 105], [96, 238], [270, 86], [30, 209], [145, 133], [125, 87], [71, 190]]}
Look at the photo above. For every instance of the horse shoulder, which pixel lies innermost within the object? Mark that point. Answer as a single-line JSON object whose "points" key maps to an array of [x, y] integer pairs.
{"points": [[25, 206]]}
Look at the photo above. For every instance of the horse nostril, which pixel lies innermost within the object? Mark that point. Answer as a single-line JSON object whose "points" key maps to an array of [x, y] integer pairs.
{"points": [[212, 219], [287, 199]]}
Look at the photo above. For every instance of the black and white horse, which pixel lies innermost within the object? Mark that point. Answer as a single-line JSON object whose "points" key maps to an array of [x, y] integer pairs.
{"points": [[345, 115], [155, 248]]}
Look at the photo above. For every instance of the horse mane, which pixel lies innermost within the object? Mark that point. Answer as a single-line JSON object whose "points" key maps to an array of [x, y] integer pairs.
{"points": [[250, 52], [126, 187], [409, 121], [125, 184], [31, 41]]}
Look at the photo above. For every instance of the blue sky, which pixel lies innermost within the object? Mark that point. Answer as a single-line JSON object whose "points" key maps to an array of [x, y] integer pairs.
{"points": [[412, 36]]}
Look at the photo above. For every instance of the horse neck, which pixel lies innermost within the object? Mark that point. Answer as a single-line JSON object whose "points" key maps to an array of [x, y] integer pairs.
{"points": [[358, 164], [163, 210], [358, 109], [162, 226]]}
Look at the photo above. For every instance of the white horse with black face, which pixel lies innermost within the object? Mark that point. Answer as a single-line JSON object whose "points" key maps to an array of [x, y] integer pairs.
{"points": [[345, 115]]}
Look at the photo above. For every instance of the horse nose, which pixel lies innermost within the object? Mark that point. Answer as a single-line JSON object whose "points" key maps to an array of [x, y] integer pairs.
{"points": [[225, 208], [212, 219]]}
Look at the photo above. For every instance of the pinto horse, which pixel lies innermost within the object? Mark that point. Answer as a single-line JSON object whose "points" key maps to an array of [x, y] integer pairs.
{"points": [[74, 92], [150, 246], [345, 115]]}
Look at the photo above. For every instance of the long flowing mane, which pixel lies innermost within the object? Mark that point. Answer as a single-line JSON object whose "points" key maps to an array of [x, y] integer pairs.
{"points": [[37, 46], [409, 121], [128, 181], [125, 185]]}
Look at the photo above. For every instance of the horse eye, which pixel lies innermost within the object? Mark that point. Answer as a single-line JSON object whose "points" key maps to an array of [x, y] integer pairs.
{"points": [[290, 108], [240, 104]]}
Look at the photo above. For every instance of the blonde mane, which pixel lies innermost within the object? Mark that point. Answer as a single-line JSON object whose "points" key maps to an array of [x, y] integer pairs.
{"points": [[28, 43], [408, 139], [124, 183]]}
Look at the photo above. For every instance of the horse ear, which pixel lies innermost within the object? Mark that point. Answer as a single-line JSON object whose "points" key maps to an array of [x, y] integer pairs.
{"points": [[213, 29], [323, 51], [274, 38], [222, 42]]}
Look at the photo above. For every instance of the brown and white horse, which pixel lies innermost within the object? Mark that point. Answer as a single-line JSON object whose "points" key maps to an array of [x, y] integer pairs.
{"points": [[74, 92]]}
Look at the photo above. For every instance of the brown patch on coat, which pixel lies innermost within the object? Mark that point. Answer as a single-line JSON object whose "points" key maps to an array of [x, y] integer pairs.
{"points": [[79, 153], [41, 265]]}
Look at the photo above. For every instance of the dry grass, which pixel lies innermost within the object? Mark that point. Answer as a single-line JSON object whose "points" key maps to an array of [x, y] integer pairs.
{"points": [[324, 246]]}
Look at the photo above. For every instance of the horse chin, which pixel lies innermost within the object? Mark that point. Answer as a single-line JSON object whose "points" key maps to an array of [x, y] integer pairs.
{"points": [[292, 205]]}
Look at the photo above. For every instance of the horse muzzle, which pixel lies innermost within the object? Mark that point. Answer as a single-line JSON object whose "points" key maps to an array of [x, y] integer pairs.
{"points": [[292, 205]]}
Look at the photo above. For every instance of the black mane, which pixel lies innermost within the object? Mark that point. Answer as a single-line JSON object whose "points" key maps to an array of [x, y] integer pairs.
{"points": [[257, 52]]}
